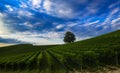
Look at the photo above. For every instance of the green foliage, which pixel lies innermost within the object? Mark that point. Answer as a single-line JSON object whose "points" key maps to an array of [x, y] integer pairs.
{"points": [[69, 37], [95, 52]]}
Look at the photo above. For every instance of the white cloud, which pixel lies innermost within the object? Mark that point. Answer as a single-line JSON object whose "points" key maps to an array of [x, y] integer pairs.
{"points": [[36, 3], [91, 9], [3, 29], [9, 8], [65, 12], [23, 5], [47, 5], [51, 34], [109, 17], [28, 24], [24, 13], [114, 11], [59, 26], [58, 9], [72, 24], [115, 21], [4, 45], [114, 4], [36, 38], [91, 23]]}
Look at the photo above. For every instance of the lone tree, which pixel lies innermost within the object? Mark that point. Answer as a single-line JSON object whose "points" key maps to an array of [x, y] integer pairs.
{"points": [[69, 37]]}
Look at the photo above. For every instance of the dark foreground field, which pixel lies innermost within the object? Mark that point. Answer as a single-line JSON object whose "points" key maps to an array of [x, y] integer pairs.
{"points": [[87, 55]]}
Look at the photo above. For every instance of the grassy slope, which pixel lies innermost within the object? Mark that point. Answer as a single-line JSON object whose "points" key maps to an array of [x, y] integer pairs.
{"points": [[109, 40], [101, 48], [63, 55]]}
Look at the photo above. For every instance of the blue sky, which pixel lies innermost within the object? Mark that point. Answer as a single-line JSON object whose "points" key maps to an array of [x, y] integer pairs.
{"points": [[45, 21]]}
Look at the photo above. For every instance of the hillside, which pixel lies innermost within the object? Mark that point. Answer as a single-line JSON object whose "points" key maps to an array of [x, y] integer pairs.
{"points": [[104, 49], [90, 54], [22, 48], [109, 40]]}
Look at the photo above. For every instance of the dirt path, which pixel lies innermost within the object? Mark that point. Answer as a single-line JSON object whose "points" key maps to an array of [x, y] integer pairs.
{"points": [[116, 71], [104, 70]]}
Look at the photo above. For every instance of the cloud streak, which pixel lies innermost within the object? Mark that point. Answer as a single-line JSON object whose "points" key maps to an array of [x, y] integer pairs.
{"points": [[3, 29]]}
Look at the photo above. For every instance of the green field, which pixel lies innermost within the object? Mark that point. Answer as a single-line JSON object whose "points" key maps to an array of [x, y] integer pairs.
{"points": [[90, 54]]}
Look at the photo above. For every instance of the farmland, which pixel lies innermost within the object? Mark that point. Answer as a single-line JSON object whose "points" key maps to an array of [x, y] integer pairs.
{"points": [[90, 54]]}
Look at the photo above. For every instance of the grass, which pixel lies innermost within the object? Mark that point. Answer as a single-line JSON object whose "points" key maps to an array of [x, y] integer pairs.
{"points": [[22, 48], [83, 55]]}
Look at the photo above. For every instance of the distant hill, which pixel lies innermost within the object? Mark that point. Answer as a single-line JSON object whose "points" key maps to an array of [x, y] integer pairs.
{"points": [[4, 45], [22, 48]]}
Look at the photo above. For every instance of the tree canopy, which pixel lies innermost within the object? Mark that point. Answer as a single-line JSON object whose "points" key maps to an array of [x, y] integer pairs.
{"points": [[69, 37]]}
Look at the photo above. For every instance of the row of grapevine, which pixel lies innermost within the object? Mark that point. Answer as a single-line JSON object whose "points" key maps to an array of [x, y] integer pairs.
{"points": [[82, 59], [57, 60]]}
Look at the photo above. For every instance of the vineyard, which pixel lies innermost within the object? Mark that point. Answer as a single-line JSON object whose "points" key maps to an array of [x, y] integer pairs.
{"points": [[89, 54]]}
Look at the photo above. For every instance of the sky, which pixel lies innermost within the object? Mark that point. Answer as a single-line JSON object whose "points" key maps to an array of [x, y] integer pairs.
{"points": [[45, 22]]}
